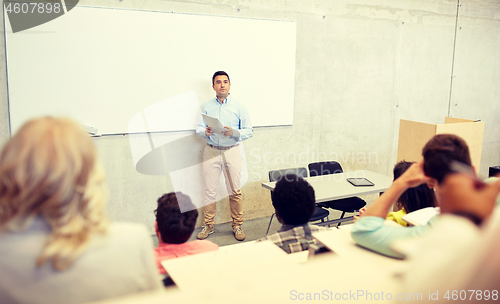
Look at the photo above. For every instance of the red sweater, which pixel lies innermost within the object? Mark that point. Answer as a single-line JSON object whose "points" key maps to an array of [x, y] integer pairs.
{"points": [[167, 251]]}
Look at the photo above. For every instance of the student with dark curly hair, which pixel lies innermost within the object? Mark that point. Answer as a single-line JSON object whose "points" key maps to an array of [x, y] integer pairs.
{"points": [[174, 229], [294, 202]]}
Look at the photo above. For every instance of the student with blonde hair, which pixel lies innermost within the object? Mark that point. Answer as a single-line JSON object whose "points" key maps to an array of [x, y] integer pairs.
{"points": [[55, 241]]}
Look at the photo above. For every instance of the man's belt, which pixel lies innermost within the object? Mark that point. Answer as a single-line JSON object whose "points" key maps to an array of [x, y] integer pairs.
{"points": [[221, 148]]}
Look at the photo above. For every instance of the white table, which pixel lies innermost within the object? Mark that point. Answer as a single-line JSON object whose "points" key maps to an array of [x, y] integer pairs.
{"points": [[257, 273], [335, 186], [228, 265], [341, 242]]}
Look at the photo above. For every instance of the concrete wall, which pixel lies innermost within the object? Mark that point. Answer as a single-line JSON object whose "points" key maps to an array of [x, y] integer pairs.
{"points": [[476, 83], [361, 66]]}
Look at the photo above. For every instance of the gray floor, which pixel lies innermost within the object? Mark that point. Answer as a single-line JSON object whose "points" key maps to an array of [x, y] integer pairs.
{"points": [[223, 235], [254, 229]]}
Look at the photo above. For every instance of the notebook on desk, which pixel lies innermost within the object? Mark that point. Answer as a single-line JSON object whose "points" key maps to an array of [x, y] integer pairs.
{"points": [[421, 217]]}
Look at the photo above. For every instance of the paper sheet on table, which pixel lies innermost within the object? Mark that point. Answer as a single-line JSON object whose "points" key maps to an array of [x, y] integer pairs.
{"points": [[422, 216], [216, 125], [341, 242]]}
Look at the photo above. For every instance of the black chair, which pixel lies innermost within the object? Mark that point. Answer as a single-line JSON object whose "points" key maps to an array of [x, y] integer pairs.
{"points": [[319, 213], [350, 204]]}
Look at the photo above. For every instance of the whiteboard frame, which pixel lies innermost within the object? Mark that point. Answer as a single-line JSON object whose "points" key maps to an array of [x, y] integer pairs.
{"points": [[98, 82]]}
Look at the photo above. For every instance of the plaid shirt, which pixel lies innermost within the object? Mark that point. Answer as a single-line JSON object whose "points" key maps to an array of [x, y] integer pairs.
{"points": [[293, 238]]}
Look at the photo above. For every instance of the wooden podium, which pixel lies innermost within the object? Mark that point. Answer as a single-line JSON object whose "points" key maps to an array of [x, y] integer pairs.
{"points": [[414, 135]]}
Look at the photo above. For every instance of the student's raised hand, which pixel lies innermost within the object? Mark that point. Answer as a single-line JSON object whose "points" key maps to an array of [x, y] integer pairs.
{"points": [[461, 193], [414, 176]]}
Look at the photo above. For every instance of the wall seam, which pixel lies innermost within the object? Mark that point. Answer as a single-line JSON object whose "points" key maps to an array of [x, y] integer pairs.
{"points": [[453, 59], [6, 70]]}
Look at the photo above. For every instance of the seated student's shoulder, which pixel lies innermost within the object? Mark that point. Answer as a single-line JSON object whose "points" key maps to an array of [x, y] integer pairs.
{"points": [[205, 244], [127, 249], [121, 229], [208, 243], [127, 238]]}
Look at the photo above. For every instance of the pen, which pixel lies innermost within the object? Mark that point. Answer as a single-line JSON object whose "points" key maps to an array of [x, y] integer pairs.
{"points": [[462, 168]]}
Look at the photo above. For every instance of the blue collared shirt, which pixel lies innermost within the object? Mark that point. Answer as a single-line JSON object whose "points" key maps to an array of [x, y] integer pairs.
{"points": [[231, 113]]}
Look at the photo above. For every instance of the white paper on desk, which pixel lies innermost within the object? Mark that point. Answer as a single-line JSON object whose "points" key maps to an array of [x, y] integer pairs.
{"points": [[421, 217], [217, 126]]}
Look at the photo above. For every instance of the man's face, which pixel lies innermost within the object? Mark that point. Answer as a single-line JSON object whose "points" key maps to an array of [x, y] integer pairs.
{"points": [[221, 86]]}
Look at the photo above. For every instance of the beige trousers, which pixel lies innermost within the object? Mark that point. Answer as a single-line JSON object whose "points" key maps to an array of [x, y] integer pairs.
{"points": [[230, 163]]}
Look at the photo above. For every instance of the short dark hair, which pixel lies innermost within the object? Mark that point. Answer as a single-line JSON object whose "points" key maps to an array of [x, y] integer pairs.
{"points": [[440, 151], [219, 73], [175, 226], [416, 198], [294, 200]]}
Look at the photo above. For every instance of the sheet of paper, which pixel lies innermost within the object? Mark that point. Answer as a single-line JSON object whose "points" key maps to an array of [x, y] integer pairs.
{"points": [[213, 123], [340, 242], [421, 217], [217, 126]]}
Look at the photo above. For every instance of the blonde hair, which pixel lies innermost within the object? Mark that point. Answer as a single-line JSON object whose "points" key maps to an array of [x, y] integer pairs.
{"points": [[49, 169]]}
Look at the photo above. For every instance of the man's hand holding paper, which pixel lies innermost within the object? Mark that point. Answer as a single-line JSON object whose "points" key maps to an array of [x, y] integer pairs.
{"points": [[214, 125]]}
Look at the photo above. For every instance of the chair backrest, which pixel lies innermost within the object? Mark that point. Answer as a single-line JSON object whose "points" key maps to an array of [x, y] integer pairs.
{"points": [[276, 174], [324, 168]]}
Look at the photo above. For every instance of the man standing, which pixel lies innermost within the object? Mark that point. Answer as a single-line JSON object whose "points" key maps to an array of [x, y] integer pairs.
{"points": [[222, 153]]}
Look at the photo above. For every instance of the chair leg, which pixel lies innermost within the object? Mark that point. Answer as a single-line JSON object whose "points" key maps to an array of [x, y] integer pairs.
{"points": [[269, 226], [322, 220], [342, 216]]}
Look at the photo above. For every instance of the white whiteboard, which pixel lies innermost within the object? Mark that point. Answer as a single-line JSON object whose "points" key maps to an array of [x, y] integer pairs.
{"points": [[102, 66]]}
